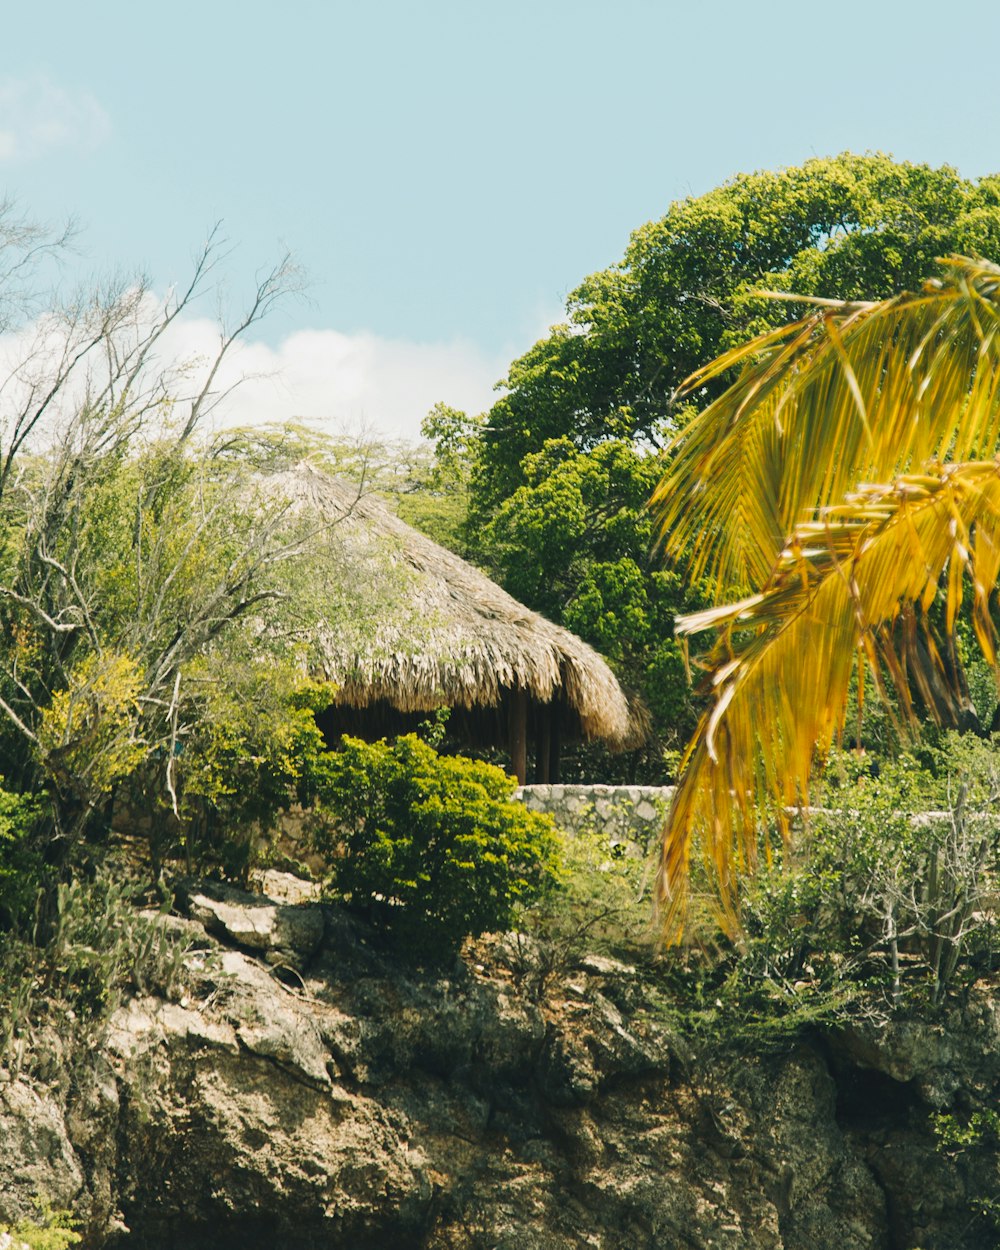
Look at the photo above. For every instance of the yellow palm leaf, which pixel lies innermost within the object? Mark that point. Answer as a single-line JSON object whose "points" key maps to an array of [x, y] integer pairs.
{"points": [[783, 660], [850, 393]]}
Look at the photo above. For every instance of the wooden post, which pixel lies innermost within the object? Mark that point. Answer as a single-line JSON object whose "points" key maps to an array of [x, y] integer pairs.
{"points": [[518, 734], [543, 743], [553, 718]]}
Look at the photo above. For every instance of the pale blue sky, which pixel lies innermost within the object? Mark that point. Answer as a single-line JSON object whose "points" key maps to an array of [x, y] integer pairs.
{"points": [[446, 172]]}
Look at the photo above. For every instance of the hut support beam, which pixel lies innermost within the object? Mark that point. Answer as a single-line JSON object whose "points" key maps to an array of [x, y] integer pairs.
{"points": [[543, 744], [553, 719], [518, 732]]}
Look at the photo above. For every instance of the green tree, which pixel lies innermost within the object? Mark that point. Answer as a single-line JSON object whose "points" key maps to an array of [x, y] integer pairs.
{"points": [[571, 542], [432, 493], [592, 405], [687, 288], [134, 556], [250, 747]]}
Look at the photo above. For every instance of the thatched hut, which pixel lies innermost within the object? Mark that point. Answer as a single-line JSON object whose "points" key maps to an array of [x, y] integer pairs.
{"points": [[429, 630]]}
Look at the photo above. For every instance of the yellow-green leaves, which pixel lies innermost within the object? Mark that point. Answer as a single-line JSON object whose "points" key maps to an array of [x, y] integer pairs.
{"points": [[847, 395], [831, 576], [846, 585], [88, 736]]}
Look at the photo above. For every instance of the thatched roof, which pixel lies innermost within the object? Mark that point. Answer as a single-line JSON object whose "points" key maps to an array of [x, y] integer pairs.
{"points": [[439, 631]]}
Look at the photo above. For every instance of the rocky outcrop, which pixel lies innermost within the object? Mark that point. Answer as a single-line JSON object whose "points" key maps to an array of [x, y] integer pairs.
{"points": [[302, 1089], [282, 933]]}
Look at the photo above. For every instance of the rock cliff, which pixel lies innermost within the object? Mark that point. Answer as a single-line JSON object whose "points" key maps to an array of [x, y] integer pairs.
{"points": [[304, 1090]]}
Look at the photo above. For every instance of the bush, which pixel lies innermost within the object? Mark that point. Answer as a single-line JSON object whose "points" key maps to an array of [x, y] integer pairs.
{"points": [[880, 885], [603, 905], [250, 753], [53, 1230], [21, 864], [98, 948], [431, 847]]}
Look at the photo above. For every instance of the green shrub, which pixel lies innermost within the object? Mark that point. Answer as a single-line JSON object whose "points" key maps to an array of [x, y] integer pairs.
{"points": [[250, 754], [603, 904], [97, 949], [53, 1230], [885, 897], [890, 879], [431, 847], [21, 864]]}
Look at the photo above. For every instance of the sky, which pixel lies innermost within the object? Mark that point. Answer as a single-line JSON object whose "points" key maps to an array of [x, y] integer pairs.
{"points": [[445, 173]]}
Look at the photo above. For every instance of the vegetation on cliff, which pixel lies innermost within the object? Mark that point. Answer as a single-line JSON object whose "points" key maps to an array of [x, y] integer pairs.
{"points": [[156, 599], [848, 479]]}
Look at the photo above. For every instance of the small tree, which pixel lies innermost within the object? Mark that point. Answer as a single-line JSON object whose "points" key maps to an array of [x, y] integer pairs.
{"points": [[430, 847]]}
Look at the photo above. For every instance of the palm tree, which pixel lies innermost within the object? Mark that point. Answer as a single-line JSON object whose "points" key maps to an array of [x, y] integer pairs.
{"points": [[847, 481]]}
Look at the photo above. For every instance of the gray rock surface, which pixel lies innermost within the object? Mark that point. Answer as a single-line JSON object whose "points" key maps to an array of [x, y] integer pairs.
{"points": [[283, 933], [359, 1104], [36, 1154]]}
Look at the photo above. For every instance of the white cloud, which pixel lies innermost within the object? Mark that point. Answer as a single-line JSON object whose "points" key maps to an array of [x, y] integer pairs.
{"points": [[37, 115], [346, 382], [349, 384]]}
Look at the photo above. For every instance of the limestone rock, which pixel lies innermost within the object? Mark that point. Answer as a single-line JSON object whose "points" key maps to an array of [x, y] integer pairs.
{"points": [[361, 1104], [36, 1155], [287, 934]]}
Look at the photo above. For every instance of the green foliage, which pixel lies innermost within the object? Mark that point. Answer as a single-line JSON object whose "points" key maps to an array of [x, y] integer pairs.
{"points": [[89, 948], [755, 996], [878, 890], [430, 486], [451, 432], [129, 547], [572, 541], [572, 511], [52, 1230], [253, 747], [166, 670], [88, 733], [21, 862], [967, 1139], [848, 227], [563, 465], [431, 847], [602, 905], [954, 1135], [885, 901]]}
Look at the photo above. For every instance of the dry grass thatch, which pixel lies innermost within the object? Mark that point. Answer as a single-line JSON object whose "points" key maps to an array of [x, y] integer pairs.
{"points": [[446, 634]]}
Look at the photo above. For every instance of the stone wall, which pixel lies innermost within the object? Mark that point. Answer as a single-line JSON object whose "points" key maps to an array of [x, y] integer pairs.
{"points": [[630, 815]]}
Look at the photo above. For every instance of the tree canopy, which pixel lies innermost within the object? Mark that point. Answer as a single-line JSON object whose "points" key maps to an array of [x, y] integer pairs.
{"points": [[562, 464], [149, 619], [688, 288]]}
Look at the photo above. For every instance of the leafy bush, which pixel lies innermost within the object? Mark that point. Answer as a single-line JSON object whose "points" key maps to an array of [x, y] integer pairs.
{"points": [[251, 751], [88, 736], [973, 1138], [603, 905], [431, 847], [892, 874], [98, 947], [21, 863], [885, 897], [52, 1230]]}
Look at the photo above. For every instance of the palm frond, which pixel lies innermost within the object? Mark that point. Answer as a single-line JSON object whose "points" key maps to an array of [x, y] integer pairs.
{"points": [[850, 584], [862, 392]]}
